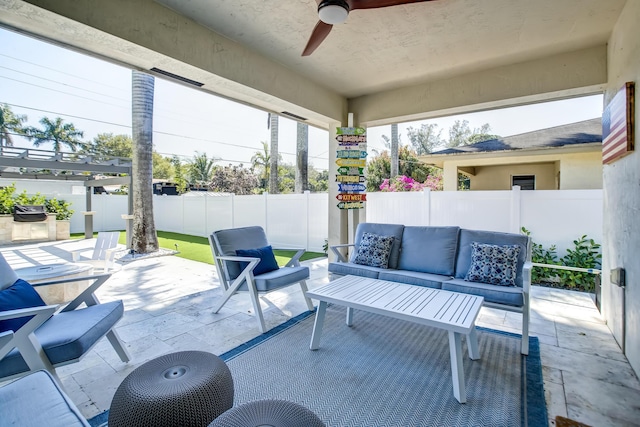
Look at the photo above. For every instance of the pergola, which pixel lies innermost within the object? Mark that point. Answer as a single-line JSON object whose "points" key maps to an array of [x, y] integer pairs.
{"points": [[27, 163], [401, 63]]}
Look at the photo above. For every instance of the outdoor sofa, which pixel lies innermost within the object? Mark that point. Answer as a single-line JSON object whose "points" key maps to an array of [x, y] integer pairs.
{"points": [[494, 265]]}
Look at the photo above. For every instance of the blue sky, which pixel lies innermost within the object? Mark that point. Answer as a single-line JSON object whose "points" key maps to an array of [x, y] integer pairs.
{"points": [[39, 79]]}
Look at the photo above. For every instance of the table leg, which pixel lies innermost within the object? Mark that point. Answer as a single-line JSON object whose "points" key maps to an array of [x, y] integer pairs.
{"points": [[457, 369], [349, 316], [472, 344], [317, 326]]}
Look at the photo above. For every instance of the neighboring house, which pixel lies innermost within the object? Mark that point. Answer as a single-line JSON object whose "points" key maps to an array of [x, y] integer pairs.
{"points": [[559, 158]]}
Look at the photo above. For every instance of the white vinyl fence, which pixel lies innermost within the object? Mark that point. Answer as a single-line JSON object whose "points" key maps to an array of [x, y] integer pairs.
{"points": [[301, 220]]}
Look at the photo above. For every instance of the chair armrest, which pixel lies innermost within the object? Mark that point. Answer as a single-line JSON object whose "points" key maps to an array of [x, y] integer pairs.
{"points": [[5, 338], [526, 276], [75, 254], [295, 260], [253, 262], [338, 254], [87, 296], [40, 315]]}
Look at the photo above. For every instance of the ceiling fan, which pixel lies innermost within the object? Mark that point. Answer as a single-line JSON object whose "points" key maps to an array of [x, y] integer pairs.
{"points": [[333, 12]]}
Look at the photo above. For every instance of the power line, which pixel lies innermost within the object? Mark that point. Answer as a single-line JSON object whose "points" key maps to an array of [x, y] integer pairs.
{"points": [[68, 115]]}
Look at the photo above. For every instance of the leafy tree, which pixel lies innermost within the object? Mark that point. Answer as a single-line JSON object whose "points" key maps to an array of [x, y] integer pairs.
{"points": [[178, 175], [57, 132], [379, 168], [286, 178], [10, 123], [318, 180], [108, 145], [200, 169], [425, 139], [162, 166], [233, 179], [144, 237], [461, 134]]}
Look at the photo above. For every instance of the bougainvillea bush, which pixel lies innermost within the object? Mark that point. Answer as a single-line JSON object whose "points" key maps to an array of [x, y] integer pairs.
{"points": [[405, 183]]}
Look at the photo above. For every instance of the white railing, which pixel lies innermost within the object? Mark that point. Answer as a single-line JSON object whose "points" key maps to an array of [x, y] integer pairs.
{"points": [[301, 220]]}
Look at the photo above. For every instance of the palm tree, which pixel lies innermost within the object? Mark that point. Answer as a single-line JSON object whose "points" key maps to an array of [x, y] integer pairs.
{"points": [[273, 169], [56, 132], [10, 123], [261, 161], [302, 158], [394, 149], [144, 238], [200, 169]]}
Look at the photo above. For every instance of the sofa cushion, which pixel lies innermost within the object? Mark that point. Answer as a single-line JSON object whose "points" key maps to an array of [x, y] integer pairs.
{"points": [[394, 230], [267, 259], [19, 295], [429, 249], [509, 295], [68, 335], [37, 400], [493, 264], [373, 250], [346, 268], [463, 259], [417, 278]]}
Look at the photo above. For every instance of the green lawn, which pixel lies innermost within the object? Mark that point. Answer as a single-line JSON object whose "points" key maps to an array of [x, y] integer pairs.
{"points": [[197, 248]]}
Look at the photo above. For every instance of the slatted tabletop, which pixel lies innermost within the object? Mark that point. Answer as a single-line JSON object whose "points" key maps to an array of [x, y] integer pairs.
{"points": [[443, 309]]}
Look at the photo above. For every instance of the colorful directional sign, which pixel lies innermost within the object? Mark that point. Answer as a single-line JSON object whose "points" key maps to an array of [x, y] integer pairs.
{"points": [[344, 187], [352, 197], [351, 154], [356, 163], [345, 170], [351, 131], [350, 205], [351, 139], [350, 178]]}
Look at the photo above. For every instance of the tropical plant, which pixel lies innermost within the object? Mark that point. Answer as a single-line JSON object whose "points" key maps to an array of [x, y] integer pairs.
{"points": [[178, 175], [57, 132], [425, 139], [61, 208], [144, 237], [261, 161], [405, 183], [233, 179], [461, 134], [379, 168], [24, 199], [200, 169], [542, 255], [10, 123]]}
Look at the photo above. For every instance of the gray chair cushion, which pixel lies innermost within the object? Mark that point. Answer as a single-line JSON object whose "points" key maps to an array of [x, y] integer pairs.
{"points": [[229, 241], [67, 336], [463, 259], [37, 400], [278, 278], [417, 278], [429, 249], [492, 293], [346, 268], [394, 230]]}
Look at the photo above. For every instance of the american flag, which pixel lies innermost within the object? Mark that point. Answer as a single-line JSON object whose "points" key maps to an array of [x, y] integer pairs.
{"points": [[617, 125]]}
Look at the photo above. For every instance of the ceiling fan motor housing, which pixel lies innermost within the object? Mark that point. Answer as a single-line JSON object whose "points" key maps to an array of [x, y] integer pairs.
{"points": [[333, 11]]}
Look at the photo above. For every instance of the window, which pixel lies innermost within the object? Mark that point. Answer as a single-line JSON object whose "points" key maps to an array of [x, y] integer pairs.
{"points": [[526, 182]]}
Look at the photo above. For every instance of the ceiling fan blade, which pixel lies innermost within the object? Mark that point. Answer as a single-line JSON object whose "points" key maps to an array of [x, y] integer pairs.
{"points": [[319, 33], [373, 4]]}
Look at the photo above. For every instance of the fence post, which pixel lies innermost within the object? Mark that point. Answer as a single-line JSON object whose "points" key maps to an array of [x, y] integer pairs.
{"points": [[426, 206], [306, 200], [233, 210], [265, 195], [516, 200]]}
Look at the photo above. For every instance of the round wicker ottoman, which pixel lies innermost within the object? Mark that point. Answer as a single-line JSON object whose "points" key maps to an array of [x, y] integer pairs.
{"points": [[188, 388], [268, 413]]}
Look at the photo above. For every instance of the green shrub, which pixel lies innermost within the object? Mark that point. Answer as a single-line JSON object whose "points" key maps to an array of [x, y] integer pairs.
{"points": [[542, 256], [586, 254], [24, 199], [60, 208], [6, 199]]}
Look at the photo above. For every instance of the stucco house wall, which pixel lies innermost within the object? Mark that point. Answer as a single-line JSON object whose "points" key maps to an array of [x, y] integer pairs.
{"points": [[581, 171], [499, 177], [621, 233]]}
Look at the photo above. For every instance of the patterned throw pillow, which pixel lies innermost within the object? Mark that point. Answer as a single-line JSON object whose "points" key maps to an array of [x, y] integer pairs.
{"points": [[493, 264], [374, 250]]}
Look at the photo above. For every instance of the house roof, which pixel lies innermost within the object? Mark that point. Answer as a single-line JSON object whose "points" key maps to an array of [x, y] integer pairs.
{"points": [[585, 132]]}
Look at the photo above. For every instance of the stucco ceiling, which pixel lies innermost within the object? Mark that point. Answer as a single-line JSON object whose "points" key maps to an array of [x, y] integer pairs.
{"points": [[388, 48]]}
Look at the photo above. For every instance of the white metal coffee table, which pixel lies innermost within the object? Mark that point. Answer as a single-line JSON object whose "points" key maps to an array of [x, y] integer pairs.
{"points": [[452, 311]]}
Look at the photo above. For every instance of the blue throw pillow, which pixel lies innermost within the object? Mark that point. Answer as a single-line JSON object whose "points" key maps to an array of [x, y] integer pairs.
{"points": [[19, 295], [267, 259]]}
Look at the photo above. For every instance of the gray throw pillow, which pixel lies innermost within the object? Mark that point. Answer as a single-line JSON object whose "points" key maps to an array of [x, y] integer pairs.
{"points": [[493, 264], [374, 250]]}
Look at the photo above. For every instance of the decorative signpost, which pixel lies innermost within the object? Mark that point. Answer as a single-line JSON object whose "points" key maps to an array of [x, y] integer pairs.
{"points": [[351, 160]]}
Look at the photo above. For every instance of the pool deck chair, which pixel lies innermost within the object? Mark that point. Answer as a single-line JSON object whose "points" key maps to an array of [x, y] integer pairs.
{"points": [[103, 252], [236, 273]]}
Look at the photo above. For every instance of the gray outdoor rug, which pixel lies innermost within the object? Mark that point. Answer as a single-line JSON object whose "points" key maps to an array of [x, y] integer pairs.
{"points": [[387, 372]]}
